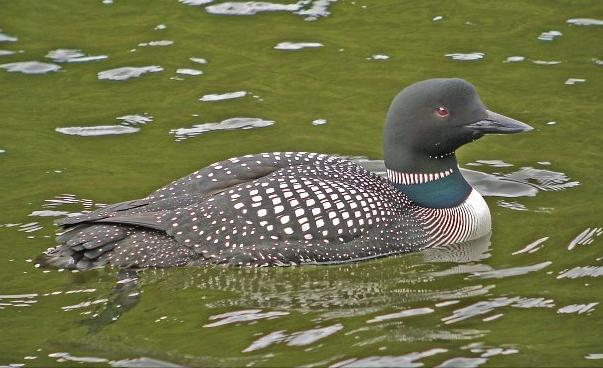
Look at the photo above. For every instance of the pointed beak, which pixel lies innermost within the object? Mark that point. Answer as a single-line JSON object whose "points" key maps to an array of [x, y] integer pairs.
{"points": [[498, 124]]}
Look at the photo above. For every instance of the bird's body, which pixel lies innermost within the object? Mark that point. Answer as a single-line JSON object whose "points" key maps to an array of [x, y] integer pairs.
{"points": [[285, 208]]}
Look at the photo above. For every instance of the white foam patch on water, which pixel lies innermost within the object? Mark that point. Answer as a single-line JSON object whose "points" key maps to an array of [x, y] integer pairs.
{"points": [[223, 96], [571, 81], [319, 122], [198, 60], [93, 131], [73, 56], [6, 38], [549, 35], [585, 22], [401, 314], [297, 45], [514, 59], [545, 62], [156, 43], [6, 52], [472, 56], [186, 71], [128, 72], [577, 308], [406, 360], [31, 67], [247, 315], [587, 237], [228, 124]]}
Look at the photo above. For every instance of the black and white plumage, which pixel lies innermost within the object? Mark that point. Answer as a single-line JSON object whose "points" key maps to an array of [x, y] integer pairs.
{"points": [[296, 208]]}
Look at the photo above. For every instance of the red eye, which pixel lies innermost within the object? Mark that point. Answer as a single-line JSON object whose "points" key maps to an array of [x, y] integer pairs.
{"points": [[442, 112]]}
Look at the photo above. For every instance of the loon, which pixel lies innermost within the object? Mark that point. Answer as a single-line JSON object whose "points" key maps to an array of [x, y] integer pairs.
{"points": [[287, 208]]}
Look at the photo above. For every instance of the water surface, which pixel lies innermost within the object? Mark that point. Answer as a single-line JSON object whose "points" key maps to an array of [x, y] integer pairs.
{"points": [[528, 295]]}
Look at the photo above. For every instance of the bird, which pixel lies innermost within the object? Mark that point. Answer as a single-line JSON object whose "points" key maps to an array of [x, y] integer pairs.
{"points": [[294, 208]]}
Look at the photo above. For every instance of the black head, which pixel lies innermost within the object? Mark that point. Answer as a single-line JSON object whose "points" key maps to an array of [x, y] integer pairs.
{"points": [[429, 120]]}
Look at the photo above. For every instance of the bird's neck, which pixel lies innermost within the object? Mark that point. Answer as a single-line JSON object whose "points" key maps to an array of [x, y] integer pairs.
{"points": [[432, 182]]}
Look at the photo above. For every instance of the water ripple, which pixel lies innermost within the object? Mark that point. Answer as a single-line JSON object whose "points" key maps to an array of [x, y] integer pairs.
{"points": [[514, 59], [511, 271], [94, 131], [585, 22], [247, 315], [549, 35], [72, 56], [128, 72], [407, 360], [300, 338], [532, 247], [31, 67], [577, 308], [187, 71], [401, 314], [581, 271], [585, 238], [223, 96], [156, 43], [6, 38], [487, 306], [572, 81], [228, 124], [461, 362], [297, 45], [472, 56]]}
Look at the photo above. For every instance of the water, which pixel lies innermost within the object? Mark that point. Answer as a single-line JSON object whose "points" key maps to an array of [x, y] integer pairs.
{"points": [[528, 295]]}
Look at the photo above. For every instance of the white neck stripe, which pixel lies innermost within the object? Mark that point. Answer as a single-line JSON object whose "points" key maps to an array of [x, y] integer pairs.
{"points": [[416, 178]]}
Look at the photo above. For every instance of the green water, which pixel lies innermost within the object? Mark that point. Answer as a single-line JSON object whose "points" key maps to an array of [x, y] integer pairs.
{"points": [[523, 321]]}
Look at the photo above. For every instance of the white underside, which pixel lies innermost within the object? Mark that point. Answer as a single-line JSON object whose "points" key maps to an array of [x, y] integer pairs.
{"points": [[467, 221]]}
